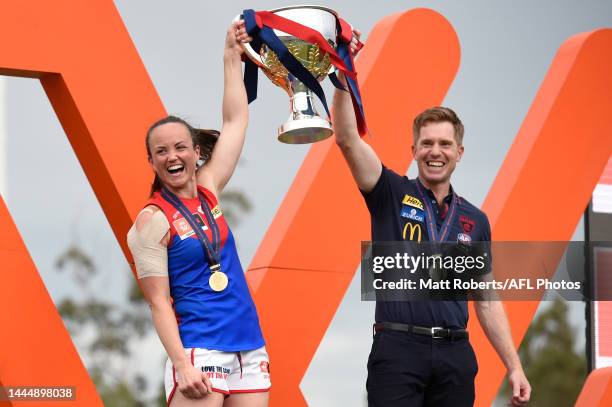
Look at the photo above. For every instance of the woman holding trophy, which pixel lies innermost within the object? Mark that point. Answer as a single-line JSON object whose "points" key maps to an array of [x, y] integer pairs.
{"points": [[186, 258]]}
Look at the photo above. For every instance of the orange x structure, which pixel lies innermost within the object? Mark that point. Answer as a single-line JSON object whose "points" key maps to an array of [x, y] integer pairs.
{"points": [[597, 390], [104, 99]]}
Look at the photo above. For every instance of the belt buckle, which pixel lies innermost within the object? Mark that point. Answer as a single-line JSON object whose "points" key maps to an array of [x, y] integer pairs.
{"points": [[433, 332]]}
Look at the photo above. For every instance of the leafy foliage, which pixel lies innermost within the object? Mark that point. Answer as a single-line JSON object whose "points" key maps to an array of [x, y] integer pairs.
{"points": [[103, 333], [554, 368]]}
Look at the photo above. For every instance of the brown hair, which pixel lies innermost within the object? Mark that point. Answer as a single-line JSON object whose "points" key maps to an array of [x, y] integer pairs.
{"points": [[438, 114], [204, 138]]}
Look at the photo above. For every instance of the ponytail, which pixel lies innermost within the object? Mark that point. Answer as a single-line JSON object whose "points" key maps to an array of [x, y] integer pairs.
{"points": [[206, 140]]}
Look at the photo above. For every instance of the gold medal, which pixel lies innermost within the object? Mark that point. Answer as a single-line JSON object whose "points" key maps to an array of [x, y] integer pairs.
{"points": [[218, 281]]}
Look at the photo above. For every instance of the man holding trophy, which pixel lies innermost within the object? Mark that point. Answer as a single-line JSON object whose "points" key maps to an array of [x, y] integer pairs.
{"points": [[421, 355]]}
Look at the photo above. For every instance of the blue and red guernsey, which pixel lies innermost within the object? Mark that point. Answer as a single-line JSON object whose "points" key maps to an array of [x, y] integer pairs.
{"points": [[226, 320]]}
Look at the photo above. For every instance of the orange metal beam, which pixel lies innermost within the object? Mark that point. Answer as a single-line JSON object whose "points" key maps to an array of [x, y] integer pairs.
{"points": [[36, 348], [549, 174], [104, 99], [597, 390]]}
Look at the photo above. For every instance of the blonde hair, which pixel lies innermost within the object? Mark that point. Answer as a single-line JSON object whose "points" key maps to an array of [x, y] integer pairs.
{"points": [[438, 114]]}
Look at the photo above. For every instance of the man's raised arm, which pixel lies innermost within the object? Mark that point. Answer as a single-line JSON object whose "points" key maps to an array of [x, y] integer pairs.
{"points": [[360, 156]]}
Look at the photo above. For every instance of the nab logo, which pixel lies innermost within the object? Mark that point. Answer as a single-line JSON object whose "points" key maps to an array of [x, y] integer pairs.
{"points": [[414, 230]]}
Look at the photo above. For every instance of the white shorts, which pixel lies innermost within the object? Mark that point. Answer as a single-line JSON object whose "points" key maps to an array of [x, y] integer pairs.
{"points": [[229, 372]]}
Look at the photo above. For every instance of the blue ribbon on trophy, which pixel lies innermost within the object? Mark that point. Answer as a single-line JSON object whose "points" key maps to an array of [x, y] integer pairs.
{"points": [[298, 60]]}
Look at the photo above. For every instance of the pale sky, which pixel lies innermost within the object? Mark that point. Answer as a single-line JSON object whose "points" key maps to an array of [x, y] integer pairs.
{"points": [[506, 48]]}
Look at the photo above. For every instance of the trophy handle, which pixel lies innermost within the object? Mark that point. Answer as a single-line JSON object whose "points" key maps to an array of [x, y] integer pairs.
{"points": [[248, 50]]}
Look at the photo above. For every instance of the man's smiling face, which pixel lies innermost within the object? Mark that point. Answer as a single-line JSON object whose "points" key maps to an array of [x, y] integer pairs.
{"points": [[436, 152]]}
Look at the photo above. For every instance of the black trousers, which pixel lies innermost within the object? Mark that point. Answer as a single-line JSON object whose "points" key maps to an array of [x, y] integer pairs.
{"points": [[409, 370]]}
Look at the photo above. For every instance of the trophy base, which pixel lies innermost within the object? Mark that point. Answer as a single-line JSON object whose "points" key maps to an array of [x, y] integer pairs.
{"points": [[304, 131]]}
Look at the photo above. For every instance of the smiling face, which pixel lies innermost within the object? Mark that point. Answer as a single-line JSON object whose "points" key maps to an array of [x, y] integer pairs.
{"points": [[173, 157], [437, 152]]}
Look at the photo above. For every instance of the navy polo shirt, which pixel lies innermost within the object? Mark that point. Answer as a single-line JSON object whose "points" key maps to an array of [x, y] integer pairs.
{"points": [[395, 216]]}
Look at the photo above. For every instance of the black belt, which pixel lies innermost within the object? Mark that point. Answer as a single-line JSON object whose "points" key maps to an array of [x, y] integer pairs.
{"points": [[434, 332]]}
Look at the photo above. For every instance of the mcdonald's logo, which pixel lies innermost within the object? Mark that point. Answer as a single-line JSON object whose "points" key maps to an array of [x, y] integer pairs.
{"points": [[65, 44], [414, 228]]}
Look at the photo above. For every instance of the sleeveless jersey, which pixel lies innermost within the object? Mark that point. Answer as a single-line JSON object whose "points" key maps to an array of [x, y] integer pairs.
{"points": [[226, 320]]}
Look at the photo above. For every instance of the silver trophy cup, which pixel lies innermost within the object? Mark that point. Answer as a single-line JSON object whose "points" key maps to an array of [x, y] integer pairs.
{"points": [[304, 125]]}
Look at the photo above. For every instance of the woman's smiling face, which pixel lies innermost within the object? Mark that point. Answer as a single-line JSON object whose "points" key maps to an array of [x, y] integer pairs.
{"points": [[173, 155]]}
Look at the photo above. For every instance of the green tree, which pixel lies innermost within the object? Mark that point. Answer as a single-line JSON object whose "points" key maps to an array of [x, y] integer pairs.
{"points": [[103, 332], [556, 371]]}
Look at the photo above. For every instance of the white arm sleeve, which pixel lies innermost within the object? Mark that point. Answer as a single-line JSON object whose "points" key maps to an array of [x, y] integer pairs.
{"points": [[150, 256]]}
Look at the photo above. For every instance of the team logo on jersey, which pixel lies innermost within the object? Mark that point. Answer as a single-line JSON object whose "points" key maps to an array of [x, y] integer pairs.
{"points": [[412, 201], [467, 224], [412, 213], [413, 231], [264, 366], [183, 228]]}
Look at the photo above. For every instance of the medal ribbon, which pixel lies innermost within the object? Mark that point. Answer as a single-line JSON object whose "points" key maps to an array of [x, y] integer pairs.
{"points": [[432, 228], [260, 25], [211, 250]]}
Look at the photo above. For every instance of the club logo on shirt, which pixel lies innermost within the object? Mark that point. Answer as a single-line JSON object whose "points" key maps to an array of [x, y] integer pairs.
{"points": [[184, 230], [467, 224], [264, 366], [412, 213], [413, 230], [412, 201]]}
